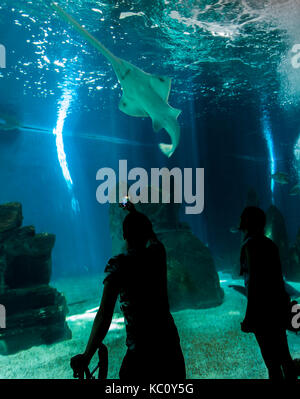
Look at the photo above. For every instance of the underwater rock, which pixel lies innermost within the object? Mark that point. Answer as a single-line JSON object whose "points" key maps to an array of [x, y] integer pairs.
{"points": [[192, 278], [28, 258], [295, 260], [34, 316], [276, 231], [10, 217], [35, 312], [252, 198]]}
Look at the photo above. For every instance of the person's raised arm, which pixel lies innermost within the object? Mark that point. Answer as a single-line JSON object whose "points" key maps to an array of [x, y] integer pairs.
{"points": [[102, 320], [250, 260]]}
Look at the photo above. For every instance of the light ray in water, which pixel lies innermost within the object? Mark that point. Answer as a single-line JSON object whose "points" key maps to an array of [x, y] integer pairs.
{"points": [[62, 114], [89, 315], [270, 144], [297, 157], [64, 105]]}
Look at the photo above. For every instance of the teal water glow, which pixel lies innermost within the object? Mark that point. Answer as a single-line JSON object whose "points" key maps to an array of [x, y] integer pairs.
{"points": [[297, 157], [267, 132]]}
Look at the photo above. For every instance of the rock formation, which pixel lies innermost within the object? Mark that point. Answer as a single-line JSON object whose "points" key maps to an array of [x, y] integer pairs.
{"points": [[276, 230], [35, 312], [192, 278], [252, 198]]}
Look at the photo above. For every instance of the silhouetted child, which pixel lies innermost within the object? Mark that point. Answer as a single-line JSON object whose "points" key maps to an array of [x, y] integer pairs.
{"points": [[268, 303], [139, 277]]}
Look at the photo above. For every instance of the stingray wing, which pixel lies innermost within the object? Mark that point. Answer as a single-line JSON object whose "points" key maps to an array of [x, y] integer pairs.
{"points": [[130, 108], [162, 86]]}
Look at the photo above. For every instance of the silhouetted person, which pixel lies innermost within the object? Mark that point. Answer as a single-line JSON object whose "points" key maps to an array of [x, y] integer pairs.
{"points": [[268, 303], [139, 278]]}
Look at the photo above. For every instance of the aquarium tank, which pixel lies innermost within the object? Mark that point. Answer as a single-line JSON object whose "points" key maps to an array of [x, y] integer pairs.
{"points": [[186, 110]]}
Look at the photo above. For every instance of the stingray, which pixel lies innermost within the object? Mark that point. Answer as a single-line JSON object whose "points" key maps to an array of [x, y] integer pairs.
{"points": [[292, 292], [8, 122], [144, 95]]}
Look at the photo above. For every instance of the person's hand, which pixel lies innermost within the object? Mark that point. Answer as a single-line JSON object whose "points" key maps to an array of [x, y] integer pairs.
{"points": [[126, 204], [79, 364]]}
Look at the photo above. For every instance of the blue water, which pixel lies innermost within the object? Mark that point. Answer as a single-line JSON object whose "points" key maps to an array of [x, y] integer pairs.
{"points": [[231, 77]]}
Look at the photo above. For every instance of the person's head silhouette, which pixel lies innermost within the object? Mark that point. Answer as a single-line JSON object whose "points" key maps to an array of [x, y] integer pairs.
{"points": [[253, 220], [137, 229]]}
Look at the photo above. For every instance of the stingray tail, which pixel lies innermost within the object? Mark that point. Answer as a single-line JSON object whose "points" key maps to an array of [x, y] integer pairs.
{"points": [[174, 132], [167, 149]]}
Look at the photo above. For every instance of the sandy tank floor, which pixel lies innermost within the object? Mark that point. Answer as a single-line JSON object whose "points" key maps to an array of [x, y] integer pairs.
{"points": [[213, 345]]}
